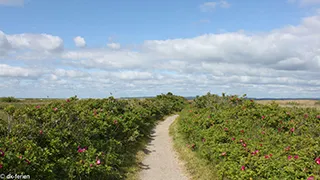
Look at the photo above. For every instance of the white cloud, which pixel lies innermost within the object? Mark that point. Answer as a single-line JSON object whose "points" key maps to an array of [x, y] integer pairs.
{"points": [[210, 6], [38, 42], [79, 41], [284, 62], [12, 2], [13, 71], [4, 44], [114, 45]]}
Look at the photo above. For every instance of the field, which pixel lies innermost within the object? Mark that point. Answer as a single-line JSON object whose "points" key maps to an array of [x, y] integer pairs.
{"points": [[218, 137], [291, 103]]}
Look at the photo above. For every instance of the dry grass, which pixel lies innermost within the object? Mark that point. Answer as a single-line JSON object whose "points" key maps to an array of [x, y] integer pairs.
{"points": [[290, 103]]}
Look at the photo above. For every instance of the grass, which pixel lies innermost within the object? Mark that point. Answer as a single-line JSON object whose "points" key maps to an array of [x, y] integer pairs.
{"points": [[196, 168], [291, 103], [133, 171]]}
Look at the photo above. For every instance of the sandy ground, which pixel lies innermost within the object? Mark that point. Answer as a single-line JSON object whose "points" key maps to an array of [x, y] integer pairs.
{"points": [[162, 162]]}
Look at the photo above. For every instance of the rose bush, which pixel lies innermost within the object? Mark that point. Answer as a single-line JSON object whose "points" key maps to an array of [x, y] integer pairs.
{"points": [[242, 139], [91, 139]]}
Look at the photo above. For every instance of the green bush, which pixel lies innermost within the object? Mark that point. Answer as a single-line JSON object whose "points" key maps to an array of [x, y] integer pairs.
{"points": [[9, 99], [87, 139], [242, 139]]}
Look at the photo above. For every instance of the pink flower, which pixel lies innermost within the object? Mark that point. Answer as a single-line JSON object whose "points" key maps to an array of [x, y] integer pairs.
{"points": [[243, 168], [263, 117], [55, 109], [1, 153], [270, 155], [266, 156], [233, 139], [81, 150], [91, 165], [115, 122], [241, 141], [68, 100], [318, 116], [289, 157], [255, 152], [41, 132], [20, 157], [244, 145], [38, 107], [296, 157], [263, 132], [223, 154], [311, 178], [98, 162], [318, 160], [292, 129], [225, 129]]}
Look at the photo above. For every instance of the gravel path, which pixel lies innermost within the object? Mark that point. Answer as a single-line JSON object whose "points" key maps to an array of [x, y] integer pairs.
{"points": [[161, 163]]}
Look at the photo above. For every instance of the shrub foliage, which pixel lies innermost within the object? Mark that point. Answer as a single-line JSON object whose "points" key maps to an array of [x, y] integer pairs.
{"points": [[79, 139], [241, 139]]}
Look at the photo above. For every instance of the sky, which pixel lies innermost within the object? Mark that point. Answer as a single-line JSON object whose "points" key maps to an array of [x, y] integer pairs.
{"points": [[145, 47]]}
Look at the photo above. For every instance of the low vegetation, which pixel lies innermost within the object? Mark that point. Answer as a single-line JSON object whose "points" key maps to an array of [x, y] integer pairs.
{"points": [[79, 139], [240, 139], [9, 99], [219, 137]]}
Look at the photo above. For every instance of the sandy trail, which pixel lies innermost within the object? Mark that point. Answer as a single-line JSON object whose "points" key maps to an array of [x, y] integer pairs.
{"points": [[162, 163]]}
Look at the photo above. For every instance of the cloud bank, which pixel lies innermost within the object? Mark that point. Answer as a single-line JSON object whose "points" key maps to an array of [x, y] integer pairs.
{"points": [[284, 62]]}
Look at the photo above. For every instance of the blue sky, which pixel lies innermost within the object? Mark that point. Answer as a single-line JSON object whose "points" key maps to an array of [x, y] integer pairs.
{"points": [[136, 21], [131, 45]]}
